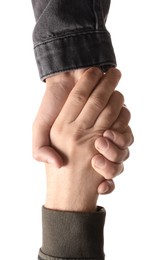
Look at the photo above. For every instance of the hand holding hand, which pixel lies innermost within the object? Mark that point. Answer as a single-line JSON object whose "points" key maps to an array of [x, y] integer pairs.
{"points": [[57, 91], [92, 109]]}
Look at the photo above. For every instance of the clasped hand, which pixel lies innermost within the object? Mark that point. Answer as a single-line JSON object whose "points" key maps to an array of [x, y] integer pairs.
{"points": [[113, 134]]}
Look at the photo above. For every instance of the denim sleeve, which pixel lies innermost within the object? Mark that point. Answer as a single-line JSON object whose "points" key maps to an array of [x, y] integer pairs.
{"points": [[72, 235], [71, 34]]}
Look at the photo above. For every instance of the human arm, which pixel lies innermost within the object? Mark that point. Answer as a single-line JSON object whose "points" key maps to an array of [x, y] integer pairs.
{"points": [[72, 227], [91, 17], [50, 107], [68, 35]]}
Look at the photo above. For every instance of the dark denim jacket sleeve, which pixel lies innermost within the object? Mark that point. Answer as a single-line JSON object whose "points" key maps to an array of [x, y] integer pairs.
{"points": [[72, 235], [71, 34]]}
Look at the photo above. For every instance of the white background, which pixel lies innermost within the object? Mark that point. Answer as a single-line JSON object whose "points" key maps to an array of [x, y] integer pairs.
{"points": [[22, 180]]}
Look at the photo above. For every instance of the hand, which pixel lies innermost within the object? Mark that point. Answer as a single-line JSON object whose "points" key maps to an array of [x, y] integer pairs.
{"points": [[57, 91], [93, 106]]}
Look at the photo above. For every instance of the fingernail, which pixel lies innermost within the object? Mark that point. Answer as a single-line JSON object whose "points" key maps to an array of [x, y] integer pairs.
{"points": [[109, 134], [106, 190], [103, 191], [99, 162], [102, 144]]}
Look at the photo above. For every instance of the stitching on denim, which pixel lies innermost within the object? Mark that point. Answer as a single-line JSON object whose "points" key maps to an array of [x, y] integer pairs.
{"points": [[70, 36]]}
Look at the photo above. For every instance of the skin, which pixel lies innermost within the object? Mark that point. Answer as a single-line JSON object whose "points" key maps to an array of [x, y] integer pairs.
{"points": [[57, 90], [94, 106]]}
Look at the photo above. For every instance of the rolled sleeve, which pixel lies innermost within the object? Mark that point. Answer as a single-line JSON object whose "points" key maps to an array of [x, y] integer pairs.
{"points": [[72, 235], [70, 35]]}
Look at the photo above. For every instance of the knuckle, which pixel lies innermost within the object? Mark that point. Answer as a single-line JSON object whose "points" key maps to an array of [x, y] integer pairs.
{"points": [[129, 137], [76, 135], [125, 142], [114, 106], [122, 168], [122, 140], [78, 96], [120, 125], [117, 157], [115, 170], [131, 140], [119, 95], [122, 122], [113, 173], [121, 156], [127, 155], [98, 102], [110, 112], [36, 155], [127, 113]]}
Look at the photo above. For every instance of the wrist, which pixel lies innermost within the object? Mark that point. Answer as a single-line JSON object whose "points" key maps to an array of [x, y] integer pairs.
{"points": [[68, 193]]}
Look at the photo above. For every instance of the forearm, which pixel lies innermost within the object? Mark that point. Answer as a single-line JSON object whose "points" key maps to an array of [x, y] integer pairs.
{"points": [[71, 34], [72, 224]]}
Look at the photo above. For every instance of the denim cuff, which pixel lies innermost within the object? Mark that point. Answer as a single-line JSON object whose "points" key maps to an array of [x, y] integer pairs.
{"points": [[68, 235], [79, 50], [71, 35]]}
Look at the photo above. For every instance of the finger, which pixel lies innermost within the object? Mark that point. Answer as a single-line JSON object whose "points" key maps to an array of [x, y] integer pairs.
{"points": [[80, 94], [110, 151], [111, 111], [99, 98], [106, 187], [107, 169], [123, 140], [51, 104], [122, 121], [41, 149]]}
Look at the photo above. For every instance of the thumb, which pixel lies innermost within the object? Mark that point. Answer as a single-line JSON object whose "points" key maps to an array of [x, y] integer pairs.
{"points": [[41, 149], [48, 155]]}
